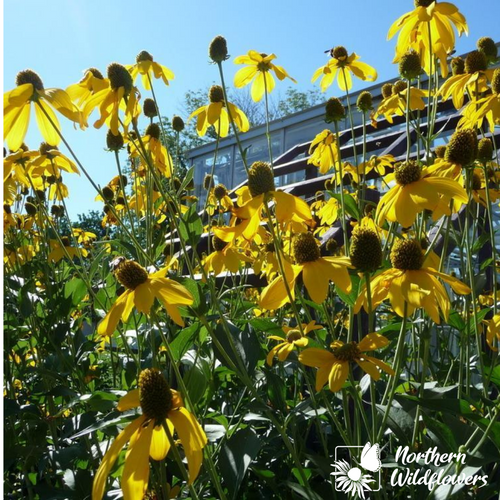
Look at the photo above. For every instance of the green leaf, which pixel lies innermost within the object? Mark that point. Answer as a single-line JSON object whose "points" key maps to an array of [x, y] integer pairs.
{"points": [[303, 492], [440, 433], [76, 289], [350, 299], [197, 377], [191, 226], [349, 202], [187, 178], [400, 422], [200, 303], [236, 455], [456, 321], [245, 343], [276, 391], [493, 374], [183, 341]]}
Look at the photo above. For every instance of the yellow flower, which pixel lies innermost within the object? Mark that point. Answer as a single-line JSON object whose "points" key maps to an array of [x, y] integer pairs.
{"points": [[147, 67], [317, 272], [216, 114], [294, 338], [259, 67], [59, 251], [17, 108], [324, 152], [415, 191], [252, 198], [410, 281], [162, 408], [488, 107], [344, 65], [493, 331], [141, 290], [223, 257], [219, 199], [51, 161], [90, 84], [328, 214], [333, 367], [395, 104], [121, 94], [379, 164], [428, 29], [473, 81], [160, 156]]}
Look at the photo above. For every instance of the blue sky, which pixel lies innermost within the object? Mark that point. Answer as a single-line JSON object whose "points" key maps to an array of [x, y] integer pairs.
{"points": [[61, 38]]}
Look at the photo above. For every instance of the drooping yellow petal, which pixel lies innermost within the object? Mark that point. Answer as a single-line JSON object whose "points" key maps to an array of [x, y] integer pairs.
{"points": [[338, 375], [135, 476], [192, 437], [110, 457], [47, 123], [160, 444], [130, 400], [372, 341]]}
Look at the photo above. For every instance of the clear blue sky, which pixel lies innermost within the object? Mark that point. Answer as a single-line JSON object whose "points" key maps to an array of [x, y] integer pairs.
{"points": [[59, 39]]}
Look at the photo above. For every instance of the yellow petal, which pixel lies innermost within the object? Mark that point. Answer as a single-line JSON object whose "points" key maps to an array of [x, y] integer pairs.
{"points": [[130, 400], [160, 443], [47, 123], [110, 457], [192, 437], [135, 476]]}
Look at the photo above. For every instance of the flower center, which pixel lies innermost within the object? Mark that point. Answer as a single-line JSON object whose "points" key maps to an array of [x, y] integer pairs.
{"points": [[29, 76], [305, 248], [457, 66], [220, 191], [216, 94], [365, 101], [260, 179], [131, 275], [65, 241], [119, 77], [153, 131], [293, 335], [399, 86], [263, 66], [407, 255], [143, 56], [334, 110], [462, 147], [45, 149], [488, 47], [387, 90], [114, 142], [217, 49], [339, 52], [218, 244], [407, 172], [347, 352], [495, 83], [95, 73], [410, 66], [485, 149], [423, 3], [475, 61], [149, 107], [366, 250], [155, 395], [177, 123]]}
